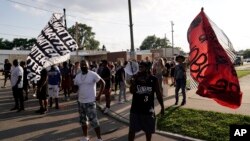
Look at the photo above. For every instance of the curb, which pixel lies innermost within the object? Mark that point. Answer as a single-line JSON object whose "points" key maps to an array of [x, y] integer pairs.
{"points": [[176, 136], [115, 116]]}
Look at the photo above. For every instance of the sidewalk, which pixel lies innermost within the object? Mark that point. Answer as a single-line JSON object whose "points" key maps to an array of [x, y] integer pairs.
{"points": [[194, 101]]}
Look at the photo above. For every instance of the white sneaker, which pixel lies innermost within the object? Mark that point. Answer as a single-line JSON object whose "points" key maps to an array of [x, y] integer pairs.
{"points": [[84, 139], [99, 140], [34, 95], [106, 110]]}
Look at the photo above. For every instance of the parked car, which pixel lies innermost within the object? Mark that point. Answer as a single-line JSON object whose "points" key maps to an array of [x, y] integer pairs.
{"points": [[238, 61]]}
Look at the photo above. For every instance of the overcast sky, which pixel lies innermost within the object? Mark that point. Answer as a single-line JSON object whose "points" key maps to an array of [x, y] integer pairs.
{"points": [[110, 19]]}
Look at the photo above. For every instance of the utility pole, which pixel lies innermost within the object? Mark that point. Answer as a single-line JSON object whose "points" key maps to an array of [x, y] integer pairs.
{"points": [[132, 50], [64, 14], [165, 46], [76, 38], [172, 25]]}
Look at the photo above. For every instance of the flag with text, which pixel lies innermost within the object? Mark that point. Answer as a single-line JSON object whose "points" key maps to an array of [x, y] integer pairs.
{"points": [[211, 62], [53, 46]]}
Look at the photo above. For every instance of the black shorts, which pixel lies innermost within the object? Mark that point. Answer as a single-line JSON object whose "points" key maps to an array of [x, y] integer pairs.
{"points": [[6, 75], [43, 94], [138, 122]]}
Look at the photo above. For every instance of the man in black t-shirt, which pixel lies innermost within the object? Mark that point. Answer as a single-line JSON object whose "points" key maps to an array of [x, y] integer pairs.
{"points": [[142, 115], [106, 76], [6, 71]]}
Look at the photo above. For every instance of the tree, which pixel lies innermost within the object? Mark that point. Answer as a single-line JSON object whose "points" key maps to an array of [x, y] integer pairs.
{"points": [[5, 44], [86, 38], [153, 42], [246, 53]]}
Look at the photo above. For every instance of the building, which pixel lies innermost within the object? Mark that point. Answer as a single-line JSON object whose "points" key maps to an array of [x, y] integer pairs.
{"points": [[22, 55]]}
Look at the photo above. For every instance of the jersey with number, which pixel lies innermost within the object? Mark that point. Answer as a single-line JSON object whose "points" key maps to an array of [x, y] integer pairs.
{"points": [[143, 98]]}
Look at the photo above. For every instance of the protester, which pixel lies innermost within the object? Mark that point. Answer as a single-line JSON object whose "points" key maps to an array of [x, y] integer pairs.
{"points": [[42, 92], [86, 89], [120, 76], [106, 76], [6, 71], [142, 115], [25, 80], [75, 69], [158, 68], [17, 86], [149, 64], [180, 79], [172, 70], [117, 67], [54, 82], [66, 80]]}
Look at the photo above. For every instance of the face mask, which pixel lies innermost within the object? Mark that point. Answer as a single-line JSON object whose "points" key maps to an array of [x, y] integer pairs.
{"points": [[84, 70]]}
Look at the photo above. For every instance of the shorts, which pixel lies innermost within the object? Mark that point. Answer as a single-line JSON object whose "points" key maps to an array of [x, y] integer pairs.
{"points": [[53, 91], [87, 112], [138, 122], [6, 75], [43, 94]]}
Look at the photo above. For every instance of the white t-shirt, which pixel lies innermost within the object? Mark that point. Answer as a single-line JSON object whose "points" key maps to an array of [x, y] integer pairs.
{"points": [[87, 86], [15, 73]]}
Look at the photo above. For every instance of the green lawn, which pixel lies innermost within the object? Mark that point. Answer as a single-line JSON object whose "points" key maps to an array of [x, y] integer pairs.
{"points": [[241, 73], [206, 125]]}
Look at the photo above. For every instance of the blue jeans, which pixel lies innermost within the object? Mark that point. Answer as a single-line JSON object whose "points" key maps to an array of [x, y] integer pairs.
{"points": [[180, 84]]}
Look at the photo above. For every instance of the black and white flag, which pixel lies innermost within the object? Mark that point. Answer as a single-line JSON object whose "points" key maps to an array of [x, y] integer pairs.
{"points": [[53, 46]]}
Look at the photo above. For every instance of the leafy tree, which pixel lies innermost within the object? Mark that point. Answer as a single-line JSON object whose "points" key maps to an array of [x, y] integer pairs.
{"points": [[18, 43], [246, 53], [5, 44], [86, 38], [153, 42]]}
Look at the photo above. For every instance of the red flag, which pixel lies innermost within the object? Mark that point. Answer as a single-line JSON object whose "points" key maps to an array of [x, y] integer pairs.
{"points": [[210, 63]]}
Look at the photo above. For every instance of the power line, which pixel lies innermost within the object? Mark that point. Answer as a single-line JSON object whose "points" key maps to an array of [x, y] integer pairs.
{"points": [[24, 4], [22, 27], [16, 35]]}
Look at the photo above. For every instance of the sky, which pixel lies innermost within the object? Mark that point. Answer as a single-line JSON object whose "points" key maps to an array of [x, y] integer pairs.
{"points": [[109, 19]]}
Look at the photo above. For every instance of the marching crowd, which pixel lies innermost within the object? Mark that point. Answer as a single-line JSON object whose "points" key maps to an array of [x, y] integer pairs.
{"points": [[84, 78]]}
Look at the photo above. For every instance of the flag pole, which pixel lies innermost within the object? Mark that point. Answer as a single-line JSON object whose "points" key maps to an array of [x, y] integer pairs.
{"points": [[172, 25], [76, 38], [64, 14]]}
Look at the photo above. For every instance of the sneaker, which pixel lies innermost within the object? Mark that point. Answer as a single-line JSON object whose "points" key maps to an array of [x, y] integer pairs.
{"points": [[19, 110], [183, 103], [121, 102], [3, 86], [39, 110], [26, 98], [15, 108], [84, 139], [106, 110], [34, 95]]}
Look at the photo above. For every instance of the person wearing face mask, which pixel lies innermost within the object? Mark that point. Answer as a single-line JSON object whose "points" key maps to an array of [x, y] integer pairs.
{"points": [[85, 83], [17, 86]]}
